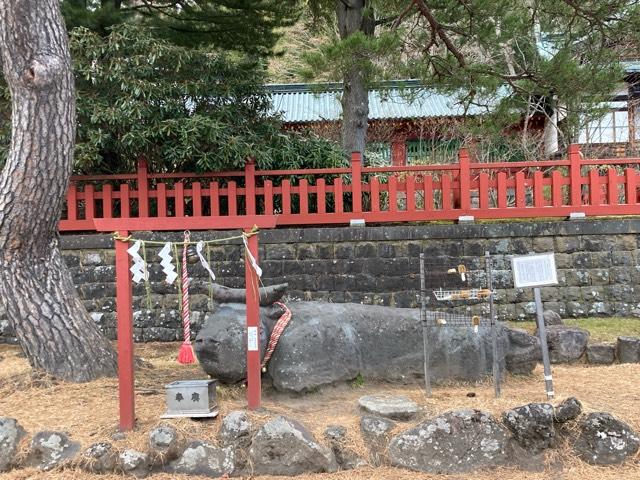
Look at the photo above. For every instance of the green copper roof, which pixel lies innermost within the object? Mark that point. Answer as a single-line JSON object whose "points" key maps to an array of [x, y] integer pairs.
{"points": [[300, 102]]}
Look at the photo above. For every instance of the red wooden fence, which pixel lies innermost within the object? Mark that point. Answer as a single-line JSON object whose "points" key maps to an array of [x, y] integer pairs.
{"points": [[552, 188]]}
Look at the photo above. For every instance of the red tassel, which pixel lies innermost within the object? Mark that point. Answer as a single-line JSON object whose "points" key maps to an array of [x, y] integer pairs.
{"points": [[186, 354]]}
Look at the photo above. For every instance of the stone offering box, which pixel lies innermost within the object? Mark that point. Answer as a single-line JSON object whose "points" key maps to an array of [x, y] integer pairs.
{"points": [[191, 398]]}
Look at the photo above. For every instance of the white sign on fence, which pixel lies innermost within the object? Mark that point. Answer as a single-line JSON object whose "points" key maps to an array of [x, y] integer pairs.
{"points": [[534, 270], [252, 339]]}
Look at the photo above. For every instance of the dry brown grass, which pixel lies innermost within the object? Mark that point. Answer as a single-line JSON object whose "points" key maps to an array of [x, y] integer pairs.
{"points": [[89, 412]]}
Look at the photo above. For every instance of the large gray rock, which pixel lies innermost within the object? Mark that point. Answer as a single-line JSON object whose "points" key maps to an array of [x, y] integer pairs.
{"points": [[50, 450], [604, 440], [100, 458], [454, 442], [390, 406], [601, 353], [327, 343], [532, 426], [165, 443], [201, 458], [376, 432], [566, 344], [523, 353], [628, 349], [10, 435], [284, 447]]}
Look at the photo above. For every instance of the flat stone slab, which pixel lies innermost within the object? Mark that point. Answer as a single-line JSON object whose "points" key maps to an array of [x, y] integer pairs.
{"points": [[389, 406]]}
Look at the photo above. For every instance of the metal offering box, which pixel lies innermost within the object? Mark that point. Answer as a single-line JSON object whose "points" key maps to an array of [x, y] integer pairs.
{"points": [[191, 398]]}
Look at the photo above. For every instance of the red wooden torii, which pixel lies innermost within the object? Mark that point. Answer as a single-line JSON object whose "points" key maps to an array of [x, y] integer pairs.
{"points": [[124, 309]]}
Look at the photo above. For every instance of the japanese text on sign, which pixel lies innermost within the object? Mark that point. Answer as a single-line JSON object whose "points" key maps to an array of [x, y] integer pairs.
{"points": [[534, 270]]}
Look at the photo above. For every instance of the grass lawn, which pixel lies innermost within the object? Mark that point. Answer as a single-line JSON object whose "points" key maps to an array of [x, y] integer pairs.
{"points": [[601, 329]]}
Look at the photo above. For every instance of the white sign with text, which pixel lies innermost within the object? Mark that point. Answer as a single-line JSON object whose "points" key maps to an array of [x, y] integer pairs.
{"points": [[534, 270]]}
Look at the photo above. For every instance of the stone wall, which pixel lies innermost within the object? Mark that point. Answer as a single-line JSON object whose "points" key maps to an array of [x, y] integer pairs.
{"points": [[597, 261]]}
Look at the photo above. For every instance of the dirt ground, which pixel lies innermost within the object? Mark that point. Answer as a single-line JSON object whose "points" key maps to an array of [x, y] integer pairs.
{"points": [[89, 412]]}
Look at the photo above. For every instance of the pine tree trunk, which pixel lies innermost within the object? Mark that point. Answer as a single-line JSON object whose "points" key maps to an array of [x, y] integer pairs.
{"points": [[355, 97], [51, 323]]}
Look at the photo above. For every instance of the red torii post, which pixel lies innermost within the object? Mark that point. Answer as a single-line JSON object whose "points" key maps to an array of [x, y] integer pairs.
{"points": [[124, 297]]}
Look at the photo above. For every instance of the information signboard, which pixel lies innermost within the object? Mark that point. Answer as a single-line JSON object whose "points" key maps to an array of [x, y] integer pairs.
{"points": [[534, 270]]}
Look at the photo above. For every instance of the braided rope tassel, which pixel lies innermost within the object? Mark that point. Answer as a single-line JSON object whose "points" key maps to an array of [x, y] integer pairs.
{"points": [[186, 354], [276, 333]]}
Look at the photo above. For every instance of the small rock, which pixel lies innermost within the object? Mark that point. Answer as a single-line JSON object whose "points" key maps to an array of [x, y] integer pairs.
{"points": [[118, 436], [601, 353], [10, 435], [375, 432], [566, 344], [393, 407], [346, 458], [284, 447], [335, 433], [100, 458], [604, 440], [628, 349], [552, 318], [523, 352], [50, 450], [454, 442], [568, 410], [532, 426], [134, 463], [201, 458], [235, 430], [165, 443]]}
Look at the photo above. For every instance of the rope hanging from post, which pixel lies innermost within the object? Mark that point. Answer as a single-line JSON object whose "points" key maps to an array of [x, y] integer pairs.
{"points": [[276, 333], [186, 354]]}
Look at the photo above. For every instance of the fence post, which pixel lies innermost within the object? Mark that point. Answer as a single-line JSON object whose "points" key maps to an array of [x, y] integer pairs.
{"points": [[464, 180], [575, 176], [143, 188], [250, 186], [356, 181]]}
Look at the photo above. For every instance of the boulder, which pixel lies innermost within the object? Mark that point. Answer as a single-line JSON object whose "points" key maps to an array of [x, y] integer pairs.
{"points": [[566, 344], [569, 409], [376, 432], [601, 353], [532, 426], [164, 443], [628, 349], [50, 450], [134, 463], [523, 353], [346, 458], [100, 458], [201, 458], [552, 318], [284, 447], [604, 440], [454, 442], [327, 343], [389, 406], [10, 435]]}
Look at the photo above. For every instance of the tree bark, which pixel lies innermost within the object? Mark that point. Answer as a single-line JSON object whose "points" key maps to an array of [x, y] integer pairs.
{"points": [[51, 323], [355, 97]]}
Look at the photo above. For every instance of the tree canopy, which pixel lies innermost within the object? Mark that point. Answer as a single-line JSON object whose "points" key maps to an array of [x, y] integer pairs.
{"points": [[515, 58], [181, 108], [249, 26]]}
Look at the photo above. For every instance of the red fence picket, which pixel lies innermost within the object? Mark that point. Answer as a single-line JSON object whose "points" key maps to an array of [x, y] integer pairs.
{"points": [[552, 188]]}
